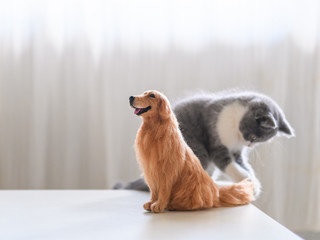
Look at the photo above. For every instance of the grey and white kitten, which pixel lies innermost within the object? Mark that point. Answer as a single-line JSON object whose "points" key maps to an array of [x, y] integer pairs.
{"points": [[220, 128]]}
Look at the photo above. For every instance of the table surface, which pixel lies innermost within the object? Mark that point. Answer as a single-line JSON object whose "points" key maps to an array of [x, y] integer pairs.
{"points": [[118, 214]]}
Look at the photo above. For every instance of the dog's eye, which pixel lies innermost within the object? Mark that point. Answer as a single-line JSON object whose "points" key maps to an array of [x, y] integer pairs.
{"points": [[152, 95]]}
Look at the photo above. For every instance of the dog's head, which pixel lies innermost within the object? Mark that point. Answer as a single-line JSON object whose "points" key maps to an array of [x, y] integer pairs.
{"points": [[151, 104]]}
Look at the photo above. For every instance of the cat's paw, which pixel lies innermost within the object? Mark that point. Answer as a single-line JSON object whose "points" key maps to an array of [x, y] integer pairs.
{"points": [[256, 187], [157, 207]]}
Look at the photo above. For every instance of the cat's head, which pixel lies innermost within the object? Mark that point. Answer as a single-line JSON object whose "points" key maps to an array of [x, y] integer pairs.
{"points": [[263, 120]]}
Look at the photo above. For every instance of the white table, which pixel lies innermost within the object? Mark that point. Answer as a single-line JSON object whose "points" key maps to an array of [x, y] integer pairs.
{"points": [[118, 214]]}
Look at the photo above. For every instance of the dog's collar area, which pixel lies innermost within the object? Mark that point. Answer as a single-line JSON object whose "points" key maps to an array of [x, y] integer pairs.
{"points": [[139, 111]]}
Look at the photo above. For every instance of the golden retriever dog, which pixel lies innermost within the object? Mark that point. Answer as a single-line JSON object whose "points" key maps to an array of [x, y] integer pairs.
{"points": [[171, 169]]}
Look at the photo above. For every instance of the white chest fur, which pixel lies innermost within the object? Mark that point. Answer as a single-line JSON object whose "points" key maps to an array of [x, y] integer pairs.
{"points": [[228, 126]]}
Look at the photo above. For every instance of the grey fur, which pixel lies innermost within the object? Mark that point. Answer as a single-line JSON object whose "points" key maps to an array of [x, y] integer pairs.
{"points": [[198, 116]]}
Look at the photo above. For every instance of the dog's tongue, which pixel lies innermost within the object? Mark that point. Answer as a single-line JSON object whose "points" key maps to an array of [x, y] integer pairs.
{"points": [[137, 110]]}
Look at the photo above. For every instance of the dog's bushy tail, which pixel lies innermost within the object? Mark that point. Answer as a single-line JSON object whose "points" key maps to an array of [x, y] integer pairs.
{"points": [[236, 194]]}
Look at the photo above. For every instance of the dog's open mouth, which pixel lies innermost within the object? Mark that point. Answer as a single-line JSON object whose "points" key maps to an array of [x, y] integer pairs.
{"points": [[139, 111]]}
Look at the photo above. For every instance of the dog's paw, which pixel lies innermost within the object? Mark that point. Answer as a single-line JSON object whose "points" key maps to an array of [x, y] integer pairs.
{"points": [[147, 206], [157, 207]]}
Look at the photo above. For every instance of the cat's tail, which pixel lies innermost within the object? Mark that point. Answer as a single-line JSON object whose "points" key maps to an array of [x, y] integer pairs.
{"points": [[236, 194], [138, 184]]}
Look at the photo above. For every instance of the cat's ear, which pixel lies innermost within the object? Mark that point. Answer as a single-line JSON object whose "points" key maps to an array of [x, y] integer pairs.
{"points": [[285, 129], [266, 121]]}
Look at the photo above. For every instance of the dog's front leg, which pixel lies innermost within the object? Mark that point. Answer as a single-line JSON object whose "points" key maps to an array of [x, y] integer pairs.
{"points": [[147, 205], [163, 198]]}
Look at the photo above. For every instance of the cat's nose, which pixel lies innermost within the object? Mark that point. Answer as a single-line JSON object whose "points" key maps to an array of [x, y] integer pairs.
{"points": [[131, 98], [252, 137]]}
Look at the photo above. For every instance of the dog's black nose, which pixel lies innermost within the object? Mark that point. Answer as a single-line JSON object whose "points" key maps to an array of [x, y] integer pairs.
{"points": [[131, 99]]}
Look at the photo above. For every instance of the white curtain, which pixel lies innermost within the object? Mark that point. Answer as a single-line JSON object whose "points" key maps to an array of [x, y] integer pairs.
{"points": [[67, 69]]}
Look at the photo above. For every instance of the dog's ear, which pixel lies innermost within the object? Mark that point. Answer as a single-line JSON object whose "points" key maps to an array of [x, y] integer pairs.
{"points": [[164, 109]]}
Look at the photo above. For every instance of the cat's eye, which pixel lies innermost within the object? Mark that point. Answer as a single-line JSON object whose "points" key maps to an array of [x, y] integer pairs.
{"points": [[152, 95], [252, 138], [263, 119]]}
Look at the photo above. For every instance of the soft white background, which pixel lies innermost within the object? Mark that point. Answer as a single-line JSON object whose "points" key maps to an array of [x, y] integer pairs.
{"points": [[67, 69]]}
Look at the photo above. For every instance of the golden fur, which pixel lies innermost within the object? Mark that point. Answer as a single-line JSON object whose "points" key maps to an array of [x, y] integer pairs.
{"points": [[172, 171]]}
